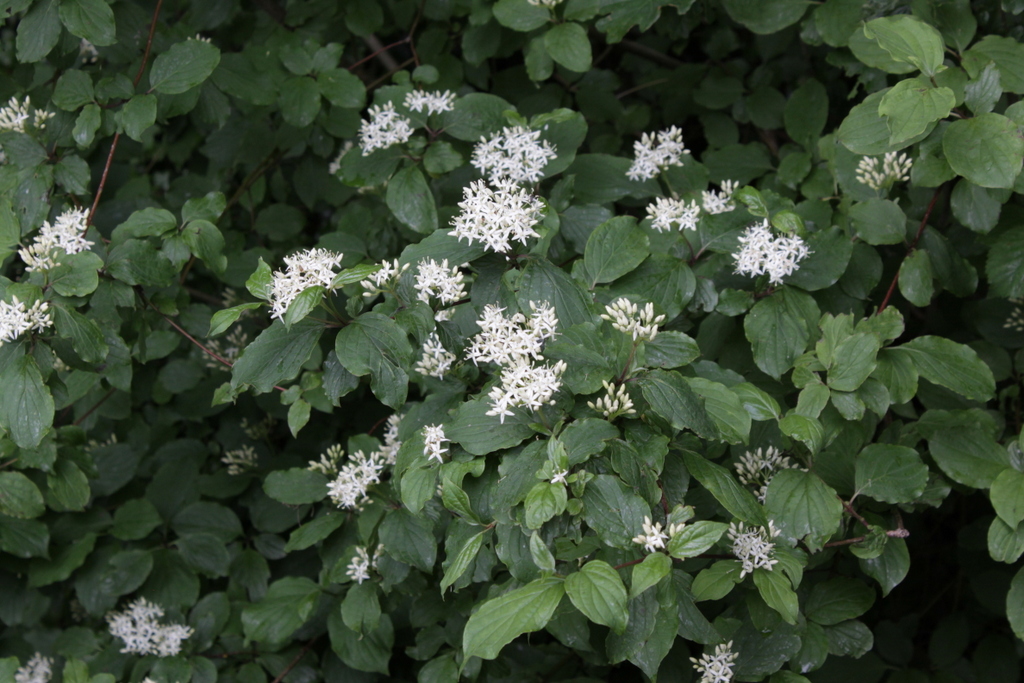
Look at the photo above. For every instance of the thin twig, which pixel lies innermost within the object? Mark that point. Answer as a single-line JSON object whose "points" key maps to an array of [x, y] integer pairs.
{"points": [[911, 247], [94, 407], [295, 661], [383, 49]]}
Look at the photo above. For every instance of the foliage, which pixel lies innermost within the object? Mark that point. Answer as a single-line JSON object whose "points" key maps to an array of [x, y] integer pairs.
{"points": [[359, 379]]}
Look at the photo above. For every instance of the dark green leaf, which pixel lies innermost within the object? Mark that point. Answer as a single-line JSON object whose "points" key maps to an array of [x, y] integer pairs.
{"points": [[26, 407], [183, 67], [501, 620], [597, 591], [988, 150], [411, 201], [891, 474], [296, 486], [276, 355]]}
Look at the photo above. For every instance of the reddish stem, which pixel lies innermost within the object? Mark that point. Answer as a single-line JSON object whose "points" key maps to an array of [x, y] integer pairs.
{"points": [[911, 247]]}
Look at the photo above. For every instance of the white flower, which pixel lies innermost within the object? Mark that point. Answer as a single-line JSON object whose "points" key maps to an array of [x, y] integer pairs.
{"points": [[497, 216], [138, 628], [720, 202], [656, 152], [335, 165], [65, 236], [384, 128], [199, 37], [438, 280], [894, 168], [389, 452], [328, 463], [361, 471], [756, 468], [15, 115], [558, 477], [239, 460], [15, 319], [385, 279], [716, 668], [525, 385], [764, 253], [308, 268], [359, 568], [507, 341], [433, 442], [38, 669], [665, 211], [652, 538], [88, 52], [434, 102], [625, 316], [436, 359], [545, 3], [753, 547], [614, 403], [517, 153], [1015, 321], [228, 349]]}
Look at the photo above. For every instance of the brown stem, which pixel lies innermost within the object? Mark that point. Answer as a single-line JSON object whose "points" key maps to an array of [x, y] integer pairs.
{"points": [[250, 179], [856, 515], [911, 246], [295, 661], [891, 533], [383, 49], [94, 407]]}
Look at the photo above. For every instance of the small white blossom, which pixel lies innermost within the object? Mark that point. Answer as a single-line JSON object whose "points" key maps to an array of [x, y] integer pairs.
{"points": [[558, 477], [354, 478], [665, 211], [614, 403], [545, 3], [498, 215], [15, 115], [88, 52], [653, 537], [762, 253], [138, 628], [384, 128], [328, 463], [434, 102], [756, 468], [433, 442], [64, 236], [199, 37], [525, 385], [720, 202], [1015, 321], [228, 349], [507, 341], [716, 668], [436, 360], [38, 669], [16, 320], [359, 568], [516, 153], [335, 165], [389, 452], [438, 280], [308, 268], [653, 153], [882, 173], [260, 430], [753, 547], [385, 279], [239, 460], [625, 316]]}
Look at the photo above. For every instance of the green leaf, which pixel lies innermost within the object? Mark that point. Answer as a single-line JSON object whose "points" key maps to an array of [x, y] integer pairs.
{"points": [[205, 553], [73, 90], [765, 16], [1007, 496], [409, 538], [653, 569], [806, 113], [67, 487], [968, 455], [987, 150], [865, 131], [361, 609], [43, 572], [299, 100], [467, 554], [287, 605], [568, 45], [615, 248], [624, 15], [77, 274], [951, 365], [1008, 55], [342, 88], [183, 67], [411, 201], [296, 486], [908, 39], [137, 262], [224, 319], [544, 501], [778, 593], [89, 19], [1005, 264], [836, 600], [500, 621], [276, 355], [724, 408], [135, 519], [38, 31], [26, 407], [597, 591], [85, 335], [148, 222], [671, 397], [613, 511], [87, 123], [982, 93], [303, 304], [19, 497], [671, 349], [543, 281], [716, 581], [205, 240], [24, 538], [853, 360], [1015, 604], [374, 344], [779, 328], [474, 116], [363, 652], [721, 483], [521, 15], [803, 506], [890, 473], [695, 538], [911, 105], [975, 207], [879, 221], [481, 434]]}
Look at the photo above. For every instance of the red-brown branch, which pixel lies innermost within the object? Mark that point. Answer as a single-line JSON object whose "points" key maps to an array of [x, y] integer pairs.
{"points": [[94, 407], [911, 247], [292, 664]]}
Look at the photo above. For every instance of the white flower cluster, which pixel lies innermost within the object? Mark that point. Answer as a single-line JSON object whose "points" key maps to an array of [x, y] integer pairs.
{"points": [[438, 280], [359, 568], [625, 316], [88, 52], [716, 668], [434, 102], [653, 537], [517, 153], [355, 477], [525, 385], [1015, 321], [656, 152], [545, 3], [878, 174], [762, 253], [38, 669], [15, 319], [385, 279], [753, 547], [64, 236], [233, 343], [138, 628], [335, 165], [665, 211], [434, 441], [306, 269], [389, 451], [328, 463], [15, 115], [497, 216], [614, 403], [756, 468], [720, 202], [239, 460], [436, 360], [384, 128], [558, 477]]}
